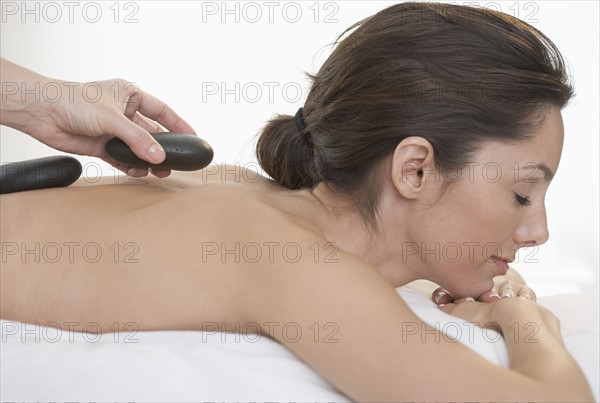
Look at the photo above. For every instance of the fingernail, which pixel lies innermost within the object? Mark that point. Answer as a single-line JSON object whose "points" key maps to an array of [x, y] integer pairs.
{"points": [[439, 296], [470, 299], [506, 295], [131, 171], [156, 153], [494, 295], [441, 305]]}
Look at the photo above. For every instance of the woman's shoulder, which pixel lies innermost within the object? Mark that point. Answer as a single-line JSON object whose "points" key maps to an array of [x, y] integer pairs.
{"points": [[213, 173]]}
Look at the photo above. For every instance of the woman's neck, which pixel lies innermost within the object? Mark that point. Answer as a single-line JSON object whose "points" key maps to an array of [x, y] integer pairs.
{"points": [[343, 225]]}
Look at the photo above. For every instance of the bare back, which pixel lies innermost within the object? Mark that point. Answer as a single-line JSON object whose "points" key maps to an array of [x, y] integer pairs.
{"points": [[160, 253]]}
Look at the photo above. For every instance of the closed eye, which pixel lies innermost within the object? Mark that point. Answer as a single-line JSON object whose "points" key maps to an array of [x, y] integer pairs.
{"points": [[523, 201]]}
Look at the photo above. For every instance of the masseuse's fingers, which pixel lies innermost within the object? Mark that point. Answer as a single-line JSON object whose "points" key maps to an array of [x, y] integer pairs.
{"points": [[440, 296], [157, 110], [129, 170], [146, 123], [141, 143], [152, 127], [142, 109], [160, 173], [137, 172], [138, 139]]}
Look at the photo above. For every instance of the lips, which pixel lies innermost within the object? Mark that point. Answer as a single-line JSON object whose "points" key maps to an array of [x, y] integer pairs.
{"points": [[501, 264]]}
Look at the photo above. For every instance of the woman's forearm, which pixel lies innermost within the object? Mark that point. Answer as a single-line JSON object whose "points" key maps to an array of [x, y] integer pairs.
{"points": [[536, 350]]}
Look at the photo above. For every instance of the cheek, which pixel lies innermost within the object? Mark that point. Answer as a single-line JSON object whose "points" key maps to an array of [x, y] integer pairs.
{"points": [[473, 213], [472, 223]]}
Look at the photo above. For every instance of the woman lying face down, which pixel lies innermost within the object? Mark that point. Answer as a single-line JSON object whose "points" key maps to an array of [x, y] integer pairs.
{"points": [[423, 151], [440, 128]]}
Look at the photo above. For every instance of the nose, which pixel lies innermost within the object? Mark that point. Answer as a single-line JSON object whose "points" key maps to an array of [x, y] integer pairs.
{"points": [[533, 228]]}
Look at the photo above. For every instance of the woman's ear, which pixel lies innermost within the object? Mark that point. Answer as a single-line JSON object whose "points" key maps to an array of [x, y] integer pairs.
{"points": [[412, 162]]}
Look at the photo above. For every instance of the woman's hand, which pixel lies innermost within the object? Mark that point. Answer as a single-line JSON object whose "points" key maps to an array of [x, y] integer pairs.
{"points": [[82, 117], [507, 287], [510, 285], [503, 313]]}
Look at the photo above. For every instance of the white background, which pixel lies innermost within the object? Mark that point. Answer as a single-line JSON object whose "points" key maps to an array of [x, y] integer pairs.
{"points": [[189, 53]]}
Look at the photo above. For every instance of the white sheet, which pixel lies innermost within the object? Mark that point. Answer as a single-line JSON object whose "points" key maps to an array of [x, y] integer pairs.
{"points": [[48, 364]]}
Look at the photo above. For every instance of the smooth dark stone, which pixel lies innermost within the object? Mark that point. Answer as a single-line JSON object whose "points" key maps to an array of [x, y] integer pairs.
{"points": [[39, 173], [185, 152]]}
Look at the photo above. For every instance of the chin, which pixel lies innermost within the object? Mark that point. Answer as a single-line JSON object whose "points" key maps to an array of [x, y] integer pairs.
{"points": [[473, 290]]}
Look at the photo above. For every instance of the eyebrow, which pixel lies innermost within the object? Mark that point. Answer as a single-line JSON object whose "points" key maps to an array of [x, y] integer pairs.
{"points": [[548, 173]]}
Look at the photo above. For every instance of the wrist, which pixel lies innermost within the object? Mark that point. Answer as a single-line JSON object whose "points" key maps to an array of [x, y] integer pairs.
{"points": [[25, 97], [510, 312]]}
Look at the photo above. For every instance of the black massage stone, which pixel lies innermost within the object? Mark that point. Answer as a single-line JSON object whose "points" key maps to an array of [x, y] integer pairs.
{"points": [[185, 152], [40, 173]]}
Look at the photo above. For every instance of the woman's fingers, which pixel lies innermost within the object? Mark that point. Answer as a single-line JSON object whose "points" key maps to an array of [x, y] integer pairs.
{"points": [[465, 299], [441, 296], [462, 307], [527, 293], [506, 290], [489, 296], [503, 289]]}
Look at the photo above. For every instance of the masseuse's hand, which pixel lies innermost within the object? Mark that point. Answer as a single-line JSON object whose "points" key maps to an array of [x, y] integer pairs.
{"points": [[124, 111], [511, 285], [85, 116]]}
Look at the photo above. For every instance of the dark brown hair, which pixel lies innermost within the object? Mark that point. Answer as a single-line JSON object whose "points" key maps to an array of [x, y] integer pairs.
{"points": [[454, 75]]}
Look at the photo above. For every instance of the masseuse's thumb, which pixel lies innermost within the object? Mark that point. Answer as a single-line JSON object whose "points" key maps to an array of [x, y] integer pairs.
{"points": [[139, 140]]}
